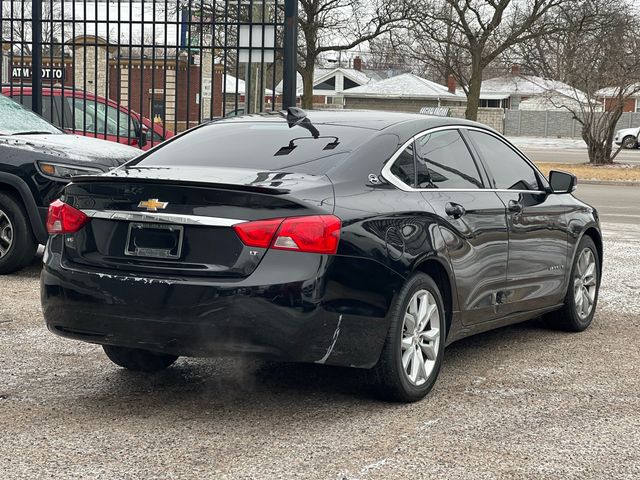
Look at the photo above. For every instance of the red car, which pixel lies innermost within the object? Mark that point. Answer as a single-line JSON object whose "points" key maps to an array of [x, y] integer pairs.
{"points": [[84, 113]]}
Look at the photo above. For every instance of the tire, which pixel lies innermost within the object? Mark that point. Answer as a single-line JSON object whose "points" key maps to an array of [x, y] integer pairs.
{"points": [[392, 376], [17, 243], [630, 142], [139, 360], [573, 316]]}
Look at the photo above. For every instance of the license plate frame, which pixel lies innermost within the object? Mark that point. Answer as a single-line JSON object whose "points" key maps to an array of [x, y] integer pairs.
{"points": [[133, 250]]}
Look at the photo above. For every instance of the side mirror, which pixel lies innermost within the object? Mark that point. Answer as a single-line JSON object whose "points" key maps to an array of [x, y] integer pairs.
{"points": [[562, 182]]}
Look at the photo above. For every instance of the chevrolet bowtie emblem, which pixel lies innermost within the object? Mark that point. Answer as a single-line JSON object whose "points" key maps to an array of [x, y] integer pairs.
{"points": [[153, 204]]}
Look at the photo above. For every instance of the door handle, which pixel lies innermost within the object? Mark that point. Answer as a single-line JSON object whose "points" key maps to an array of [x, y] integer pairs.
{"points": [[454, 210], [515, 206]]}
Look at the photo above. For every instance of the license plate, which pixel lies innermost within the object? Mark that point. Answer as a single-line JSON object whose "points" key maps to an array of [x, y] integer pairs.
{"points": [[154, 240]]}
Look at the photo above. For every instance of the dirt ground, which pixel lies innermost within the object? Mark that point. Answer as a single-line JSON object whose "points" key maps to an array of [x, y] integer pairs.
{"points": [[621, 172]]}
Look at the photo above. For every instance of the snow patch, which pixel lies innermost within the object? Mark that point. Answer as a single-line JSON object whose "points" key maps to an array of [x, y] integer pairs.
{"points": [[548, 143]]}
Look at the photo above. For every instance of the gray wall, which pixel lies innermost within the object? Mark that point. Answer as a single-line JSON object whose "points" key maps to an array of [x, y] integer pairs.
{"points": [[530, 123], [492, 117]]}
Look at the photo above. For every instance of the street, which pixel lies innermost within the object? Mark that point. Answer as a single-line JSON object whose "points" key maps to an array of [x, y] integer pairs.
{"points": [[519, 402], [616, 204]]}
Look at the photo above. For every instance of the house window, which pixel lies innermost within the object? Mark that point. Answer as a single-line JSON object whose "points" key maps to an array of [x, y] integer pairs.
{"points": [[328, 84], [637, 105], [348, 83], [333, 100], [489, 103]]}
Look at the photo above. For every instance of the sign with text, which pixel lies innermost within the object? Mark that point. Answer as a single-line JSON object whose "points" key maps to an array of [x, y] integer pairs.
{"points": [[47, 73], [257, 43]]}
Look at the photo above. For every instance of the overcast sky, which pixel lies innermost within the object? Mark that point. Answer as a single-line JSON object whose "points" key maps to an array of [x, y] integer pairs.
{"points": [[102, 18]]}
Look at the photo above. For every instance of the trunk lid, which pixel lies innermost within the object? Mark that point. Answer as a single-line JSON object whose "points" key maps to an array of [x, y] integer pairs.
{"points": [[178, 221]]}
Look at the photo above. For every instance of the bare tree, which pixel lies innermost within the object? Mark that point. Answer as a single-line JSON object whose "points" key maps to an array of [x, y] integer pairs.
{"points": [[389, 52], [338, 25], [597, 52], [463, 37], [18, 32]]}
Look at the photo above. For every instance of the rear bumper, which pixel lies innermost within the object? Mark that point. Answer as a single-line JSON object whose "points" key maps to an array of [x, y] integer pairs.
{"points": [[294, 307]]}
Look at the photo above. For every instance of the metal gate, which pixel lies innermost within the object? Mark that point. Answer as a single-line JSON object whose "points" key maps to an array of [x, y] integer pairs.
{"points": [[140, 71]]}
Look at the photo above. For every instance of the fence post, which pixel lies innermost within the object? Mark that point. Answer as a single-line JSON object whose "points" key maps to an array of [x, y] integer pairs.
{"points": [[546, 123], [36, 56], [290, 53], [519, 122]]}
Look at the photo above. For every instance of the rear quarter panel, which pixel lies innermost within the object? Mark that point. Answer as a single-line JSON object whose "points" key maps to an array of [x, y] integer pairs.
{"points": [[397, 231]]}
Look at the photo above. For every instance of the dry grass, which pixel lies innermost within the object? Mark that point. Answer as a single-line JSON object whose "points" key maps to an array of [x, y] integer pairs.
{"points": [[585, 171]]}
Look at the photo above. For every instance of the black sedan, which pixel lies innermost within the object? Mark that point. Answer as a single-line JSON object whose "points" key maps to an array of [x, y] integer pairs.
{"points": [[362, 239]]}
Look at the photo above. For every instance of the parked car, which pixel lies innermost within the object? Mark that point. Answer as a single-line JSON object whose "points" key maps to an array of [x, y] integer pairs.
{"points": [[362, 239], [36, 161], [627, 137], [84, 113], [235, 113]]}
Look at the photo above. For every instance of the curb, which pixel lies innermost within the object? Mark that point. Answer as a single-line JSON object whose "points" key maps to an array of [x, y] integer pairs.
{"points": [[613, 183]]}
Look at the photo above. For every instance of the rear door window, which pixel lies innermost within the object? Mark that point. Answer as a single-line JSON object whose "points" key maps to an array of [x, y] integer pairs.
{"points": [[443, 160]]}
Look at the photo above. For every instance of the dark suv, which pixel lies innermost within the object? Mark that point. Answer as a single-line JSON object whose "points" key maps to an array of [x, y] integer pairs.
{"points": [[36, 161]]}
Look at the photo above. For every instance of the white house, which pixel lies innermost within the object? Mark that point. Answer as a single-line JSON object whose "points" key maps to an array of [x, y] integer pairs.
{"points": [[330, 83], [516, 91], [406, 92]]}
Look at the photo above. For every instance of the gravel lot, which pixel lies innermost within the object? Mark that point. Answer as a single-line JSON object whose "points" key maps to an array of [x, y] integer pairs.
{"points": [[520, 402]]}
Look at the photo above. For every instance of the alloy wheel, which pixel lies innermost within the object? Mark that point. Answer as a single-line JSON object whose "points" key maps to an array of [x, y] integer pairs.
{"points": [[585, 283], [6, 234], [420, 337]]}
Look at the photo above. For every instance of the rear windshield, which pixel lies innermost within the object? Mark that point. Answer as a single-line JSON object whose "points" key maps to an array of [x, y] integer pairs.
{"points": [[264, 145]]}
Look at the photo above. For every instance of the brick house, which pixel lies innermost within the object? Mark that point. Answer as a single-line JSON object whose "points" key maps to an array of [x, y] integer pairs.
{"points": [[174, 91], [608, 97]]}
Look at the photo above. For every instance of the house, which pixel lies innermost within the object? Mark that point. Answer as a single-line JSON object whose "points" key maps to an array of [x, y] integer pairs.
{"points": [[330, 83], [608, 96], [516, 91], [406, 92], [234, 92]]}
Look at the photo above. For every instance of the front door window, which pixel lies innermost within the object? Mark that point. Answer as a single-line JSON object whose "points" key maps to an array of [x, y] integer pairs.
{"points": [[96, 117]]}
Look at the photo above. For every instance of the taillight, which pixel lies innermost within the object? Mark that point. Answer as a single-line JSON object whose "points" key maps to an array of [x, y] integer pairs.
{"points": [[63, 218], [312, 234], [259, 233]]}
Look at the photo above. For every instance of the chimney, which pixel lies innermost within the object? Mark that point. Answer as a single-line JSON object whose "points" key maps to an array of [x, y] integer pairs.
{"points": [[451, 84], [357, 64], [515, 69]]}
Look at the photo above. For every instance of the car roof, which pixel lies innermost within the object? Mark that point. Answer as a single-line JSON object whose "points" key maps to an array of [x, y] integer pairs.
{"points": [[371, 119]]}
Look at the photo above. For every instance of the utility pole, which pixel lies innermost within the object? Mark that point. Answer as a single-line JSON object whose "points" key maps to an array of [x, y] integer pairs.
{"points": [[36, 57], [290, 53]]}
